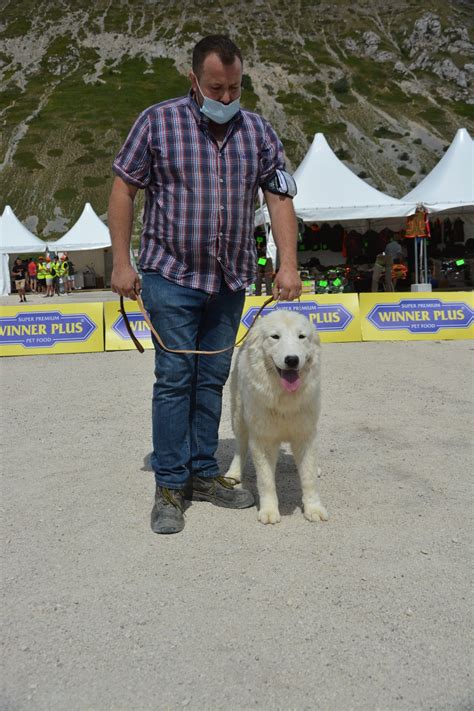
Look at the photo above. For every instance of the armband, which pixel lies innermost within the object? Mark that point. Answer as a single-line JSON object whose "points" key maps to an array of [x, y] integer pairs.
{"points": [[280, 183]]}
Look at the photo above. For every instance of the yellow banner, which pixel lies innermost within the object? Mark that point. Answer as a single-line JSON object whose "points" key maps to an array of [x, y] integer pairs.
{"points": [[116, 334], [415, 316], [62, 328], [335, 316]]}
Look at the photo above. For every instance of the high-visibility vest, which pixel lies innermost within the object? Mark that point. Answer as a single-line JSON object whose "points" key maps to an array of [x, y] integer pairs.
{"points": [[65, 268], [41, 270]]}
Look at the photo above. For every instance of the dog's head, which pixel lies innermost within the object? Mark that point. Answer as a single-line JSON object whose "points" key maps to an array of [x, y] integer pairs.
{"points": [[290, 346]]}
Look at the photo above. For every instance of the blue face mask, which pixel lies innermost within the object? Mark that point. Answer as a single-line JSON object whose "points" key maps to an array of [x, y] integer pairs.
{"points": [[217, 111]]}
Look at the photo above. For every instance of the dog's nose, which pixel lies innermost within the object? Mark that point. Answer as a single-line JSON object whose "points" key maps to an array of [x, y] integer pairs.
{"points": [[292, 361]]}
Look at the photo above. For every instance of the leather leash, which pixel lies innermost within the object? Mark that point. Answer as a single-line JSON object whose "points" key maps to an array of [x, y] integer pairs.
{"points": [[140, 348]]}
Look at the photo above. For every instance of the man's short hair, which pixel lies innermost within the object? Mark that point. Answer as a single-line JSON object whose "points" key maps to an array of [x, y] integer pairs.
{"points": [[226, 50]]}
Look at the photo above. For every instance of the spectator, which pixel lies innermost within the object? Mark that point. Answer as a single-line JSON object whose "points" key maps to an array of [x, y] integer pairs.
{"points": [[49, 277], [65, 273], [32, 269], [19, 276], [41, 275], [70, 275], [264, 269], [394, 250], [56, 270]]}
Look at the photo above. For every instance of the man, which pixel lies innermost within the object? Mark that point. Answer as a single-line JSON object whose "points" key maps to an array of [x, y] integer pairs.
{"points": [[41, 275], [19, 277], [56, 272], [200, 159], [65, 274]]}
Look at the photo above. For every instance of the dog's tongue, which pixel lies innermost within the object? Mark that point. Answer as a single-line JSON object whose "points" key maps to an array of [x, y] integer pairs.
{"points": [[290, 380]]}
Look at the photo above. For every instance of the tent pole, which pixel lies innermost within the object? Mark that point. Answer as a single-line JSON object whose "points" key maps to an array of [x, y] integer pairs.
{"points": [[416, 260]]}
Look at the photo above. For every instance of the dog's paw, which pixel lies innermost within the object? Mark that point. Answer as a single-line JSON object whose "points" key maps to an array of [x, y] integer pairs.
{"points": [[315, 512], [269, 516]]}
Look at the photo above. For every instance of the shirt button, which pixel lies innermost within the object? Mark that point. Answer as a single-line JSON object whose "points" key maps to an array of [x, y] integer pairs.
{"points": [[222, 207], [221, 180]]}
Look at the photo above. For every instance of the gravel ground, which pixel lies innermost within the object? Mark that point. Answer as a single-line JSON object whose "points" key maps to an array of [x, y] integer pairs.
{"points": [[367, 611]]}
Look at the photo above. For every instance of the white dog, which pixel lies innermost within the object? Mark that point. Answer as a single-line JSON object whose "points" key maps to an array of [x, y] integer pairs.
{"points": [[275, 392]]}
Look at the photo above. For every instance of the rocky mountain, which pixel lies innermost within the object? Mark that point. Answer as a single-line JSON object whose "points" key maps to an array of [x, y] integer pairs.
{"points": [[388, 81]]}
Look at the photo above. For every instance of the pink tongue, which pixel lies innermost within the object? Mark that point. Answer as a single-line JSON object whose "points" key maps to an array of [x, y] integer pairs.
{"points": [[290, 380]]}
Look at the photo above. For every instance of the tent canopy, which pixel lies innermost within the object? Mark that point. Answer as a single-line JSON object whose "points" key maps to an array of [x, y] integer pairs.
{"points": [[329, 192], [15, 238], [89, 232], [450, 185]]}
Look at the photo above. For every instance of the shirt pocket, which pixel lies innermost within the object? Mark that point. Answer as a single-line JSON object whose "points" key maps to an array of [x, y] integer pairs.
{"points": [[247, 172]]}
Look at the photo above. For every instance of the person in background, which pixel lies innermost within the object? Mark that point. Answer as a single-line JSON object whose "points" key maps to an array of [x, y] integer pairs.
{"points": [[49, 277], [41, 275], [70, 275], [65, 274], [394, 250], [32, 269], [19, 272], [264, 269], [56, 272]]}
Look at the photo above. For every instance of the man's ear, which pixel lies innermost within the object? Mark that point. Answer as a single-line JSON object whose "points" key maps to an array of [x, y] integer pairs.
{"points": [[192, 79]]}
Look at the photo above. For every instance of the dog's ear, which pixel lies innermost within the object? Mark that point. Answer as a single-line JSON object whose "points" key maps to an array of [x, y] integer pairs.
{"points": [[254, 334]]}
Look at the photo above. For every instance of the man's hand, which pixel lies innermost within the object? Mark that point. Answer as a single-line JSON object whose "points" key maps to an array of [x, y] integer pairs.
{"points": [[287, 284], [126, 282]]}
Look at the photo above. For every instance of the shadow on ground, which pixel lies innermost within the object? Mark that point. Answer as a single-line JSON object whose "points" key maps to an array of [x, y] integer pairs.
{"points": [[287, 480]]}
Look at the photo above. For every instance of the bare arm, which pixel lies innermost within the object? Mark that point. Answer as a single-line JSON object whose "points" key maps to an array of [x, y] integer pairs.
{"points": [[125, 279], [282, 215]]}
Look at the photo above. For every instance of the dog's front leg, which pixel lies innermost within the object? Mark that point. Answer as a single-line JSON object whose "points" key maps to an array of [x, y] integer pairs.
{"points": [[305, 458], [236, 468], [264, 456]]}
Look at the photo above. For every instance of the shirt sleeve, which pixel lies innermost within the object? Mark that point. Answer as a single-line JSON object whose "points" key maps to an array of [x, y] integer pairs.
{"points": [[134, 160], [272, 155]]}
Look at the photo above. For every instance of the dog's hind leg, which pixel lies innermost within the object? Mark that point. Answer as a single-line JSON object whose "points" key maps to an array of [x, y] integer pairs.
{"points": [[241, 448], [264, 455], [305, 458]]}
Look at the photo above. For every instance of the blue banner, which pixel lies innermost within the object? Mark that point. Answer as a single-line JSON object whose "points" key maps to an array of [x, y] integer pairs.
{"points": [[418, 315], [325, 317], [44, 329]]}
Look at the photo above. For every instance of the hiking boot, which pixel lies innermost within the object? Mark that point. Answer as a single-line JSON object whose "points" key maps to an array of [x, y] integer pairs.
{"points": [[167, 515], [220, 491]]}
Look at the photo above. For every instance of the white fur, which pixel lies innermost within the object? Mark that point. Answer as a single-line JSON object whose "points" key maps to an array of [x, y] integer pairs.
{"points": [[264, 414]]}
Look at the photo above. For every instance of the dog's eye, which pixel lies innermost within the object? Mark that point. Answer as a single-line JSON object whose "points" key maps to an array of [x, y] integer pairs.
{"points": [[275, 336], [301, 335]]}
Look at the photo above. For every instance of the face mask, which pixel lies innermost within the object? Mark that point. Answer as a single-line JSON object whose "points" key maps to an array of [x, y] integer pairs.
{"points": [[217, 111]]}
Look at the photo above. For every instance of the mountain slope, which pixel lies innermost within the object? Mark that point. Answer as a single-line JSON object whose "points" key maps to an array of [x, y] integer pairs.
{"points": [[388, 82]]}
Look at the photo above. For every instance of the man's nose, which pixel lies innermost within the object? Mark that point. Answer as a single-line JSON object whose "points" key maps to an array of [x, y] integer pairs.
{"points": [[292, 361]]}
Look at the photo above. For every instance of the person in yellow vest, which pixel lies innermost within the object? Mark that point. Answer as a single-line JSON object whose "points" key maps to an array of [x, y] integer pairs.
{"points": [[41, 275], [65, 274], [56, 271], [49, 277]]}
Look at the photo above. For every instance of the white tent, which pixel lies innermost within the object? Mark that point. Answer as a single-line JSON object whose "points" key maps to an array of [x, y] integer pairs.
{"points": [[15, 238], [88, 233], [329, 192], [450, 185], [89, 238], [5, 285]]}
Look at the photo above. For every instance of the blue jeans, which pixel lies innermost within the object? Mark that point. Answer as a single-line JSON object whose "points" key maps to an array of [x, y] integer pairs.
{"points": [[187, 394]]}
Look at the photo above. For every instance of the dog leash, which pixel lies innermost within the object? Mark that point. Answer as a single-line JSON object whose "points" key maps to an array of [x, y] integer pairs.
{"points": [[140, 348]]}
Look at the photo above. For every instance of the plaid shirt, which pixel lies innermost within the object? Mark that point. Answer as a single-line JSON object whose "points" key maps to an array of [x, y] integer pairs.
{"points": [[198, 222]]}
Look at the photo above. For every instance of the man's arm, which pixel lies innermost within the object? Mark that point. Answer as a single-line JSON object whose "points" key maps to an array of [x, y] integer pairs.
{"points": [[282, 215], [125, 280]]}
